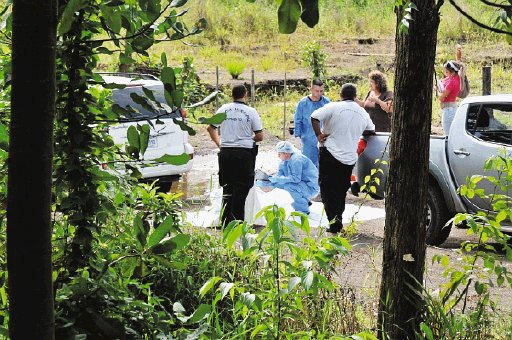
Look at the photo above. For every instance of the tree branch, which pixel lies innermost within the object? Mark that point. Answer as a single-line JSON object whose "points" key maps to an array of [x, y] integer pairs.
{"points": [[142, 31], [493, 4], [476, 22], [439, 4]]}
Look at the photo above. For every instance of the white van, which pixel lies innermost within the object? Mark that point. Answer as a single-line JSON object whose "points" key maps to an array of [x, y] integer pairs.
{"points": [[166, 138]]}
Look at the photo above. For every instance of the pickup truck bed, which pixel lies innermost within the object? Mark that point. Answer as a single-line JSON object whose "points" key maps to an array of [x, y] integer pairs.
{"points": [[482, 128]]}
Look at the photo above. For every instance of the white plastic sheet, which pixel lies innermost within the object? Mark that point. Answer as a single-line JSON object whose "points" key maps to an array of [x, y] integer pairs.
{"points": [[257, 199]]}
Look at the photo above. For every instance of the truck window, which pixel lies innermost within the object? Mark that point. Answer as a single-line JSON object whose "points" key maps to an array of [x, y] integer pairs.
{"points": [[491, 122]]}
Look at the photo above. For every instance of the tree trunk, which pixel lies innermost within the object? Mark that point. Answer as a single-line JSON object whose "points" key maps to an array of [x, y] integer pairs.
{"points": [[30, 168], [404, 234]]}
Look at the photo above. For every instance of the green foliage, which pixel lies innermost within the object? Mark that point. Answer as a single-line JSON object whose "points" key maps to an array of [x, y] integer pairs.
{"points": [[194, 90], [314, 58], [114, 296], [279, 283], [483, 264], [235, 68]]}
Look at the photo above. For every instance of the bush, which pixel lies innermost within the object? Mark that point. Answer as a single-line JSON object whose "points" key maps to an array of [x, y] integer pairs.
{"points": [[235, 68]]}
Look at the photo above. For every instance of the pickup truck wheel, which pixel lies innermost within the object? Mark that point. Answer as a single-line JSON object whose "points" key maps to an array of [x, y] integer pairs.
{"points": [[437, 216]]}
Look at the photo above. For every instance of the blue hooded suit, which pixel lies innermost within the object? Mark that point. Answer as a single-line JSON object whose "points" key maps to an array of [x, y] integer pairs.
{"points": [[298, 176], [303, 127]]}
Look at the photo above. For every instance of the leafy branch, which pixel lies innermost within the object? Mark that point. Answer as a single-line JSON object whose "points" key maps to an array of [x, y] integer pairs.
{"points": [[476, 22], [144, 29]]}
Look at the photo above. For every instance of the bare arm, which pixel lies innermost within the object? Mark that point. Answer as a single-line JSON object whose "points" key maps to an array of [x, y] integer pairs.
{"points": [[316, 127], [444, 94], [214, 135], [258, 136]]}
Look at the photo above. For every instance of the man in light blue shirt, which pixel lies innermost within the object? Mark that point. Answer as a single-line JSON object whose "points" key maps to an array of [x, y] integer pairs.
{"points": [[302, 119]]}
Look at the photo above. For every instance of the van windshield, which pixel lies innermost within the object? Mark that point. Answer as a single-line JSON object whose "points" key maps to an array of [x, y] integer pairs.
{"points": [[123, 99]]}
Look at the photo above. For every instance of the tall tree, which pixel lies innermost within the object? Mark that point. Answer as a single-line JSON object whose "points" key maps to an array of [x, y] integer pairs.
{"points": [[405, 228], [30, 163]]}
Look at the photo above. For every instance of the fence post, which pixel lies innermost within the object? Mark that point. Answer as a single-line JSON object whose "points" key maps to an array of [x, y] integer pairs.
{"points": [[252, 88], [284, 107], [217, 87], [486, 80]]}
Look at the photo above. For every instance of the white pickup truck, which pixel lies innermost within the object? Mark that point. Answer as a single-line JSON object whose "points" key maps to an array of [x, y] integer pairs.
{"points": [[482, 128]]}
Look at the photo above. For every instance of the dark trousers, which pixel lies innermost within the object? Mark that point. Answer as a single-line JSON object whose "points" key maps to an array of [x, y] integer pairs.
{"points": [[236, 176], [334, 181]]}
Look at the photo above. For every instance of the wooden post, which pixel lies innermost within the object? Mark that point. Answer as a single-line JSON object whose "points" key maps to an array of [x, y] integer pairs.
{"points": [[252, 88], [217, 87], [284, 107], [486, 80]]}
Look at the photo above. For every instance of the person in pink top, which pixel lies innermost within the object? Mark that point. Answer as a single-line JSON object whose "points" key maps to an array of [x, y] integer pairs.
{"points": [[448, 88]]}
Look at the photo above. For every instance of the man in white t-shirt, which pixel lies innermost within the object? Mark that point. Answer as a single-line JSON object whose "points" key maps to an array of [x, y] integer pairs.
{"points": [[239, 133], [343, 123]]}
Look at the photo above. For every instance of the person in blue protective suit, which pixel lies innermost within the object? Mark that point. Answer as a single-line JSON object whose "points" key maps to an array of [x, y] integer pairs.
{"points": [[302, 120], [297, 175]]}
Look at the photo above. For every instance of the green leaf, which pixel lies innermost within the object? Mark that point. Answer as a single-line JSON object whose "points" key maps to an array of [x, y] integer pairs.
{"points": [[142, 43], [133, 137], [200, 313], [224, 288], [68, 15], [174, 159], [165, 247], [310, 15], [161, 231], [181, 240], [509, 254], [308, 280], [143, 137], [208, 285], [230, 236], [177, 97], [126, 60], [149, 94], [142, 101], [178, 308], [140, 232], [4, 136], [261, 327], [163, 58], [213, 120], [113, 20], [167, 76], [427, 331], [501, 216], [293, 282], [184, 127], [248, 299], [288, 15], [479, 287], [168, 90]]}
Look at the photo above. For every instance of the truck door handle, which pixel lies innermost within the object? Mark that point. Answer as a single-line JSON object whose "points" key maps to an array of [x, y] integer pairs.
{"points": [[461, 152]]}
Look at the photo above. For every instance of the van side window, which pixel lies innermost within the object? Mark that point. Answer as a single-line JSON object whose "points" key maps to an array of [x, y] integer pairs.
{"points": [[490, 122]]}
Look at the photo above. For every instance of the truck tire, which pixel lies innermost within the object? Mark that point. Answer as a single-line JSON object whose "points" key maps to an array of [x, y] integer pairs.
{"points": [[437, 216]]}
